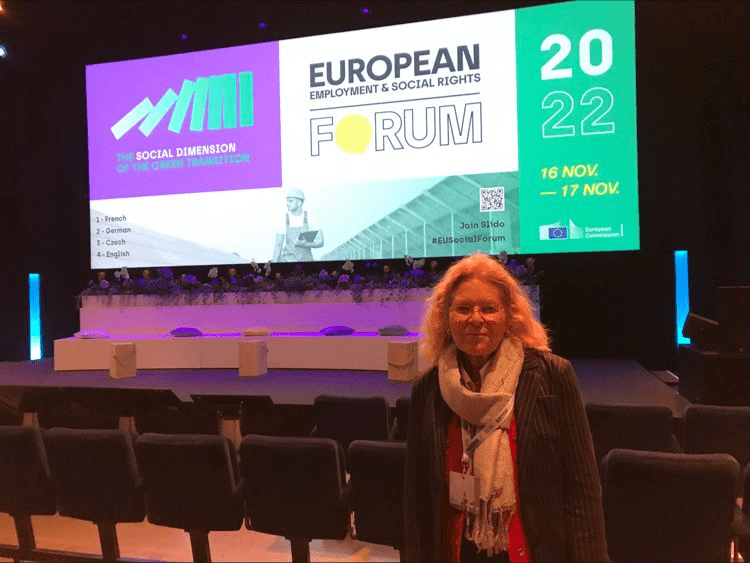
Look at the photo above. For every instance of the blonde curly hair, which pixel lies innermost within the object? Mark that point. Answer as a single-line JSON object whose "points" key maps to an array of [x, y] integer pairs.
{"points": [[521, 322]]}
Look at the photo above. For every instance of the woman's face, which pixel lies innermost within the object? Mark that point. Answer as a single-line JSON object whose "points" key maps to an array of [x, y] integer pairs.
{"points": [[477, 319]]}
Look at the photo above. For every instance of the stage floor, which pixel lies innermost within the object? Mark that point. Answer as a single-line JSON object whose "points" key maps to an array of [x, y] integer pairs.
{"points": [[601, 381]]}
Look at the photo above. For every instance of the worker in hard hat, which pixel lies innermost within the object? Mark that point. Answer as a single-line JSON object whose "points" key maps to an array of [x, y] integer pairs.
{"points": [[299, 234]]}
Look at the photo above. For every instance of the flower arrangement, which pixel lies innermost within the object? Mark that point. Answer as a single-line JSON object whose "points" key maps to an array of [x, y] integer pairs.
{"points": [[371, 276]]}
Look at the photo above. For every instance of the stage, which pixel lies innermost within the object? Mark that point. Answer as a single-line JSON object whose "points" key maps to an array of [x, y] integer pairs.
{"points": [[285, 350], [600, 381]]}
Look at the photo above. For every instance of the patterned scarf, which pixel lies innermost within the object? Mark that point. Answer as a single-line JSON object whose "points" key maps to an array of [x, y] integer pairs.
{"points": [[492, 464]]}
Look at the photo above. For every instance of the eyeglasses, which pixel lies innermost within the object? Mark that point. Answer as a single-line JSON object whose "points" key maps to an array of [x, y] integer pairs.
{"points": [[487, 311]]}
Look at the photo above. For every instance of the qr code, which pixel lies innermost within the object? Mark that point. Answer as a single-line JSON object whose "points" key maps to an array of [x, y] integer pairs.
{"points": [[492, 199]]}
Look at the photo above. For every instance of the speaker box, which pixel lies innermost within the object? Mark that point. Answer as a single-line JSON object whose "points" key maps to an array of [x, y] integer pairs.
{"points": [[702, 332]]}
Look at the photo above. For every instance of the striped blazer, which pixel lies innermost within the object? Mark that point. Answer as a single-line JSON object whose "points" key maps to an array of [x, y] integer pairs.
{"points": [[558, 481]]}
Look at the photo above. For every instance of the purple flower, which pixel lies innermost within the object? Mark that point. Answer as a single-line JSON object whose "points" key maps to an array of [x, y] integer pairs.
{"points": [[166, 273], [190, 278], [104, 284], [343, 278]]}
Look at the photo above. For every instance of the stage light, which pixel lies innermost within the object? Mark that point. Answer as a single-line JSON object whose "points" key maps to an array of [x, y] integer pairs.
{"points": [[682, 293], [35, 319], [262, 25], [3, 51], [365, 11], [183, 37]]}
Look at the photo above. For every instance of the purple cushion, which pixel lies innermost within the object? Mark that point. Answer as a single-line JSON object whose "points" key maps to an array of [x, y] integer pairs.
{"points": [[393, 330], [336, 330], [186, 331]]}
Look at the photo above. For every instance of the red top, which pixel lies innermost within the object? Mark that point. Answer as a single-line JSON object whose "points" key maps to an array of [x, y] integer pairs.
{"points": [[518, 549]]}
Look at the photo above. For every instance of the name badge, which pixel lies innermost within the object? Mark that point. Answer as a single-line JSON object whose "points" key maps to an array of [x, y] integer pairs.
{"points": [[462, 490]]}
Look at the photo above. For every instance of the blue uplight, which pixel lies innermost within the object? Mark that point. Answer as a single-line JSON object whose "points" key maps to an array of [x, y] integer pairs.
{"points": [[681, 292], [35, 320]]}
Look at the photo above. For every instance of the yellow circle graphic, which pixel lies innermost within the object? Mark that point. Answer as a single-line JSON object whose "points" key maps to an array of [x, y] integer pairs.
{"points": [[353, 133]]}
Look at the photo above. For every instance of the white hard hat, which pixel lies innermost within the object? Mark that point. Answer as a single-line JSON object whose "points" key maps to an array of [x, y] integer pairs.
{"points": [[296, 192]]}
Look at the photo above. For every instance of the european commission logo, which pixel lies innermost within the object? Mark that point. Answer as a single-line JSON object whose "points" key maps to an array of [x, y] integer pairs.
{"points": [[218, 94], [558, 231]]}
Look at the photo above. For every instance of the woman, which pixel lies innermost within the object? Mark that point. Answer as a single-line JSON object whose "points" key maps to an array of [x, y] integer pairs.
{"points": [[500, 461]]}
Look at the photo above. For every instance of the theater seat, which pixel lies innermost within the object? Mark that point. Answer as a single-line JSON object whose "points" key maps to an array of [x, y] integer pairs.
{"points": [[181, 418], [26, 486], [97, 479], [636, 427], [295, 488], [401, 422], [661, 506], [376, 481], [718, 429], [346, 419], [192, 483]]}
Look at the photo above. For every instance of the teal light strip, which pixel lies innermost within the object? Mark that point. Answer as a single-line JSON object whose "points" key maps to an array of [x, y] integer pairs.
{"points": [[215, 101], [230, 101], [181, 107], [199, 104], [35, 321], [247, 109], [681, 292]]}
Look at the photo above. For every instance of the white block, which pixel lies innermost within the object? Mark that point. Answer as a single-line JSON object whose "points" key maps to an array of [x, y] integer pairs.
{"points": [[403, 359], [122, 360], [253, 358]]}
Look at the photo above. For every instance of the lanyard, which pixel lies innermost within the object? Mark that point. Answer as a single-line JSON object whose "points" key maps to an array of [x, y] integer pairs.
{"points": [[486, 430]]}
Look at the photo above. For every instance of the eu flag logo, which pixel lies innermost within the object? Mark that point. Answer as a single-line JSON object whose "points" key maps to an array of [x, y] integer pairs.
{"points": [[558, 232]]}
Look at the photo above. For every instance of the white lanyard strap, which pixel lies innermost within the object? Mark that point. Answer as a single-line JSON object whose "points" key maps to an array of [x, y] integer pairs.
{"points": [[485, 431]]}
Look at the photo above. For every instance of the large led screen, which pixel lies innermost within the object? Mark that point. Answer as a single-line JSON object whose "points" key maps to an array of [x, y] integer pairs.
{"points": [[508, 131]]}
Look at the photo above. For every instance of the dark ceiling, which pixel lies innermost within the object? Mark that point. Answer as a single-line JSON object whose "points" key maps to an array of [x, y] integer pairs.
{"points": [[76, 24]]}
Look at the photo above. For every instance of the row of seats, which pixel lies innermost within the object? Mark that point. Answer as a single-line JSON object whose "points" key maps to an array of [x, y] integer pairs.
{"points": [[642, 430], [705, 429], [658, 506], [159, 410], [295, 487]]}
